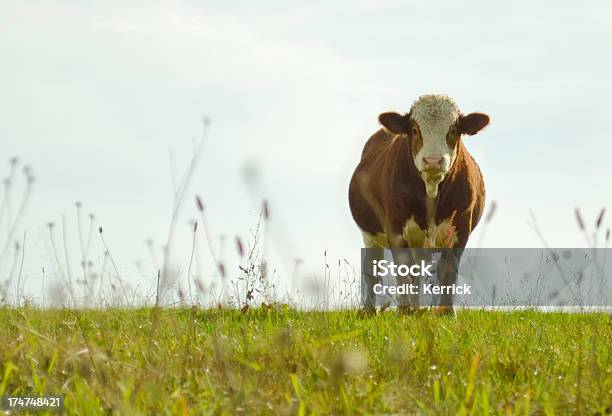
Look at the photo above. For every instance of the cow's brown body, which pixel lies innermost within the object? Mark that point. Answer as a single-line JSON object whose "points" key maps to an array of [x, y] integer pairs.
{"points": [[386, 190]]}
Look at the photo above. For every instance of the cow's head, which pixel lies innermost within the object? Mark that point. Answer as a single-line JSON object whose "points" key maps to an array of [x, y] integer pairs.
{"points": [[434, 126]]}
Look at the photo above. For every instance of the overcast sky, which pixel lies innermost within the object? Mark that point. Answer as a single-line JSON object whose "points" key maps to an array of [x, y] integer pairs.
{"points": [[96, 96]]}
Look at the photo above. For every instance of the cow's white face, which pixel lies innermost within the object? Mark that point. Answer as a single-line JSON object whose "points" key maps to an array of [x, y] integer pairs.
{"points": [[433, 138], [434, 126]]}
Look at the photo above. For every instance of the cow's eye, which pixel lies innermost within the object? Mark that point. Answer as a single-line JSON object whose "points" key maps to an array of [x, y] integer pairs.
{"points": [[415, 131], [453, 131]]}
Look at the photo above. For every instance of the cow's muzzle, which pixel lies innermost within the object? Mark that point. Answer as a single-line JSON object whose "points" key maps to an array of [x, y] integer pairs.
{"points": [[433, 162]]}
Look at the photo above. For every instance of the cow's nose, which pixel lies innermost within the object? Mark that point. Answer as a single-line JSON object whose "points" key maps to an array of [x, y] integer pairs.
{"points": [[433, 160]]}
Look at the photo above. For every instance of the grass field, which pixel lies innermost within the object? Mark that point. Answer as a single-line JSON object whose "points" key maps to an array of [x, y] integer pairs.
{"points": [[277, 360]]}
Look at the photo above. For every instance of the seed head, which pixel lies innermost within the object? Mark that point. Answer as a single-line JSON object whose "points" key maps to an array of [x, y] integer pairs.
{"points": [[600, 218], [491, 212], [222, 269], [266, 210], [100, 230], [199, 204], [239, 246], [579, 219]]}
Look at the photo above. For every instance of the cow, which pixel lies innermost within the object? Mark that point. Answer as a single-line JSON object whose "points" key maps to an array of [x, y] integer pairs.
{"points": [[417, 186]]}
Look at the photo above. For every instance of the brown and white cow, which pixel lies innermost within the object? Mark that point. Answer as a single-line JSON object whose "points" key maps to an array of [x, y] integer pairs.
{"points": [[416, 184]]}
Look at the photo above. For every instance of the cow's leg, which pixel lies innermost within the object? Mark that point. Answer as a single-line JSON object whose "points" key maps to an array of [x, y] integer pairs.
{"points": [[407, 302], [451, 258], [374, 251], [447, 271]]}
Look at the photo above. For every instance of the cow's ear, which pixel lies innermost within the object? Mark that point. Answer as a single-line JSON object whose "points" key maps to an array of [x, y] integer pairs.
{"points": [[395, 122], [473, 123]]}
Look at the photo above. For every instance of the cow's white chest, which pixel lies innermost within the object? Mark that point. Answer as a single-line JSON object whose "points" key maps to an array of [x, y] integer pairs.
{"points": [[435, 235], [441, 235], [431, 205]]}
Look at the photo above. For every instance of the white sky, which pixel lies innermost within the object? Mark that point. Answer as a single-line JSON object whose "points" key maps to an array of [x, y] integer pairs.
{"points": [[94, 96]]}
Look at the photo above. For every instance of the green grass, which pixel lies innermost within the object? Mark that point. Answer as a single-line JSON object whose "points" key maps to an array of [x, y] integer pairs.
{"points": [[284, 361]]}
